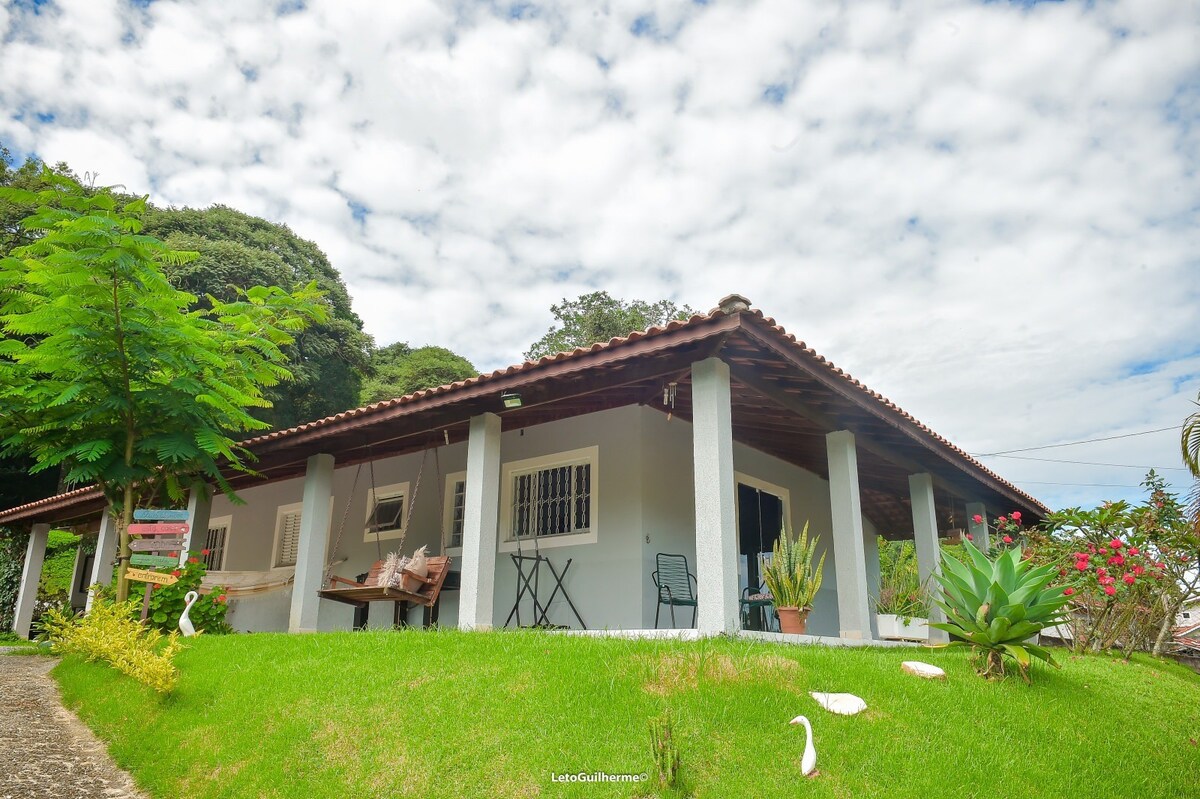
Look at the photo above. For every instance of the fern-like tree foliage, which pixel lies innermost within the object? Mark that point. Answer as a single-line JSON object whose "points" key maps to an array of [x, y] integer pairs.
{"points": [[106, 374]]}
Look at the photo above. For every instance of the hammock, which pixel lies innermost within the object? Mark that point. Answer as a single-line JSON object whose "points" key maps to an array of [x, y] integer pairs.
{"points": [[237, 584]]}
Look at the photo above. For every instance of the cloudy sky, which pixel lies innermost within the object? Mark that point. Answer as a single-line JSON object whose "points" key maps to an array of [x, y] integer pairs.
{"points": [[986, 211]]}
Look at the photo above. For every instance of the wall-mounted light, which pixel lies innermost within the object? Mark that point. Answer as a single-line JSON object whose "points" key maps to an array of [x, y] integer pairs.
{"points": [[511, 399]]}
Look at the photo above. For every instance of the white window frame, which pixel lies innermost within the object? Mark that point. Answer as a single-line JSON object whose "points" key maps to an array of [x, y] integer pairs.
{"points": [[386, 492], [448, 511], [227, 523], [588, 455], [280, 512]]}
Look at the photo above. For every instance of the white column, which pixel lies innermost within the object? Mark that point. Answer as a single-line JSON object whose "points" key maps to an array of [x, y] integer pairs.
{"points": [[199, 511], [31, 575], [929, 552], [854, 608], [978, 530], [481, 518], [314, 540], [871, 557], [716, 524], [106, 550]]}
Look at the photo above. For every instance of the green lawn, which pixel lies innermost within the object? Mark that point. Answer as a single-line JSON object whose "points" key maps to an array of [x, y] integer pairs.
{"points": [[450, 714]]}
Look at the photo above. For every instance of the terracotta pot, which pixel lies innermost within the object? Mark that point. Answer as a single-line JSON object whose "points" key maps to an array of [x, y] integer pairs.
{"points": [[793, 621]]}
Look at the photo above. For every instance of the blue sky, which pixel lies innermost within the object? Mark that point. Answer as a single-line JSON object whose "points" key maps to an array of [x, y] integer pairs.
{"points": [[985, 211]]}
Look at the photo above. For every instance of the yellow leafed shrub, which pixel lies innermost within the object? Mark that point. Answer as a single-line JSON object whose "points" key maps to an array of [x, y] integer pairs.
{"points": [[110, 634]]}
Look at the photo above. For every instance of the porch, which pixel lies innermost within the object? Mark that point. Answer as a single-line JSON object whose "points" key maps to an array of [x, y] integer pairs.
{"points": [[667, 433]]}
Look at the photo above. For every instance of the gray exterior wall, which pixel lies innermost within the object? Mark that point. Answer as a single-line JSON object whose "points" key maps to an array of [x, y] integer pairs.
{"points": [[645, 505]]}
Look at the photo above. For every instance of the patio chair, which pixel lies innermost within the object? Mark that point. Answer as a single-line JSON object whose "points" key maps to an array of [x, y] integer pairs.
{"points": [[675, 585], [754, 600]]}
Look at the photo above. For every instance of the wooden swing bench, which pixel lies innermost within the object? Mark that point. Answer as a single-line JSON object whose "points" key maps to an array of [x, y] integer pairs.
{"points": [[360, 595]]}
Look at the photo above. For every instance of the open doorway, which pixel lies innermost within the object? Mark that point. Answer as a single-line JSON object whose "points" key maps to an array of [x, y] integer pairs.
{"points": [[760, 518]]}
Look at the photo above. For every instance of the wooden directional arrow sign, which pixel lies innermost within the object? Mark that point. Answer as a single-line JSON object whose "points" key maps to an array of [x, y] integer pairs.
{"points": [[157, 545], [171, 528], [156, 515], [144, 576], [154, 561]]}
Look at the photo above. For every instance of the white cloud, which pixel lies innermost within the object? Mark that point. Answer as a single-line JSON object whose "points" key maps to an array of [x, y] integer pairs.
{"points": [[985, 211]]}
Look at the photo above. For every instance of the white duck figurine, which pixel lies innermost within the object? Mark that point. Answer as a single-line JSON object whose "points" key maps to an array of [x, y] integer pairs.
{"points": [[809, 762], [185, 624]]}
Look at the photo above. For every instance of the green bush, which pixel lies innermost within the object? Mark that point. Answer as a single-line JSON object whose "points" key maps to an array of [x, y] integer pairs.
{"points": [[111, 634], [58, 569], [168, 601], [900, 590], [12, 560]]}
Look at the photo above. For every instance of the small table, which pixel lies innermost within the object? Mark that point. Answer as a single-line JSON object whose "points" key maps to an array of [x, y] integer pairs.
{"points": [[529, 568]]}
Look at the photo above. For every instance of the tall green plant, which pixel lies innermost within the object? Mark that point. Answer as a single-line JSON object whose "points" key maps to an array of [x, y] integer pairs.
{"points": [[104, 370], [993, 606], [790, 576]]}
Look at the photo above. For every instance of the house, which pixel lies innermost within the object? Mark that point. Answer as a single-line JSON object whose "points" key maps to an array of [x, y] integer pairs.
{"points": [[1189, 614], [700, 437]]}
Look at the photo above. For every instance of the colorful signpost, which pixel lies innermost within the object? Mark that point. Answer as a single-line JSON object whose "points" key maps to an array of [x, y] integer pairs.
{"points": [[159, 515], [167, 530], [154, 561], [146, 576], [158, 529], [157, 545]]}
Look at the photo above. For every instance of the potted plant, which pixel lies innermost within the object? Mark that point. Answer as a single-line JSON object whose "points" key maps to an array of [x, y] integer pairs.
{"points": [[792, 580], [902, 607]]}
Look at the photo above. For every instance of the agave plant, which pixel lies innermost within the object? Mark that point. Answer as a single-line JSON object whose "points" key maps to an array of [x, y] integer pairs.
{"points": [[994, 606], [790, 576]]}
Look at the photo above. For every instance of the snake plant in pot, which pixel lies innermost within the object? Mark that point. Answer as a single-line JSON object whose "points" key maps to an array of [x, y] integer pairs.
{"points": [[792, 580], [994, 606]]}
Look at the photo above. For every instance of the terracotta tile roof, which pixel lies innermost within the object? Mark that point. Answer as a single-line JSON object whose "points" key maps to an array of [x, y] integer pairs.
{"points": [[84, 494], [866, 397]]}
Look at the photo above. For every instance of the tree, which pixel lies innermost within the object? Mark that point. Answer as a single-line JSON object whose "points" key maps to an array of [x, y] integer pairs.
{"points": [[1189, 441], [400, 370], [599, 317], [329, 360], [1174, 534], [106, 371]]}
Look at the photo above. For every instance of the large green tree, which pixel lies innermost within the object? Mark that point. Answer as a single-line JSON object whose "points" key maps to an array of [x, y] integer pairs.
{"points": [[599, 317], [398, 369], [110, 373], [235, 251]]}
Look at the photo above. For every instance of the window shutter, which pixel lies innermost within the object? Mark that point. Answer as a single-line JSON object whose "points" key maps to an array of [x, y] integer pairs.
{"points": [[289, 539]]}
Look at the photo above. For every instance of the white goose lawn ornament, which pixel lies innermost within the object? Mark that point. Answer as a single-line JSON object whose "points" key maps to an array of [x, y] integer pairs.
{"points": [[809, 762], [185, 624]]}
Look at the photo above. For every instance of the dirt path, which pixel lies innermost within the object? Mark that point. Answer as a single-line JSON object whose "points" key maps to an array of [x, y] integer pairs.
{"points": [[45, 751]]}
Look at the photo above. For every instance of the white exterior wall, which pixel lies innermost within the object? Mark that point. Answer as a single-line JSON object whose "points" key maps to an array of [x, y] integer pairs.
{"points": [[645, 505]]}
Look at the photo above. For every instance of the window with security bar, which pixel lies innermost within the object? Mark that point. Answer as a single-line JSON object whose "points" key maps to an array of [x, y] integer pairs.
{"points": [[214, 544], [555, 500]]}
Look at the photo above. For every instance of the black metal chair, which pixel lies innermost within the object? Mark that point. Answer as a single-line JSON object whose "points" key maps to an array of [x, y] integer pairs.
{"points": [[751, 601], [675, 585]]}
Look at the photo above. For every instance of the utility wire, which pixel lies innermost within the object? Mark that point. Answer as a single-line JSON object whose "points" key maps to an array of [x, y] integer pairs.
{"points": [[1085, 463], [1073, 443], [1089, 485]]}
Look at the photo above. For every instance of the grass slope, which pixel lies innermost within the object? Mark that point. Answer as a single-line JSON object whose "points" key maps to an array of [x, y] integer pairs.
{"points": [[450, 714]]}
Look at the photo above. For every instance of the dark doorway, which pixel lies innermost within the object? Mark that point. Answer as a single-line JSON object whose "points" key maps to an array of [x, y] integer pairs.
{"points": [[760, 518]]}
